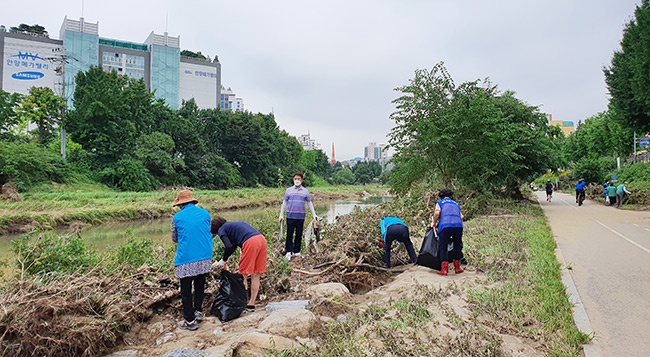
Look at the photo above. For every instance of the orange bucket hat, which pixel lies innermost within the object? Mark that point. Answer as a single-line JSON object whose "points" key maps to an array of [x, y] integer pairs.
{"points": [[184, 196]]}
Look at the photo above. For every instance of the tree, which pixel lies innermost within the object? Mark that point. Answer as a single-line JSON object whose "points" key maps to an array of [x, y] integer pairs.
{"points": [[467, 135], [628, 76], [343, 176], [315, 161], [366, 172], [30, 29], [43, 108], [156, 152], [9, 119], [110, 113]]}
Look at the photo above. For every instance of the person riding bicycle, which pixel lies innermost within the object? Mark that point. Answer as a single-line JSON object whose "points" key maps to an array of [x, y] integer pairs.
{"points": [[549, 190], [580, 190]]}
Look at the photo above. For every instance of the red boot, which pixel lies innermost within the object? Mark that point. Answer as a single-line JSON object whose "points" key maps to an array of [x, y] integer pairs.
{"points": [[457, 267], [443, 268]]}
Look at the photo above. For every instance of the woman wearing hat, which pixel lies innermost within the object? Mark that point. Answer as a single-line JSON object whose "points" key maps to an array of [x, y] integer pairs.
{"points": [[449, 221], [191, 230]]}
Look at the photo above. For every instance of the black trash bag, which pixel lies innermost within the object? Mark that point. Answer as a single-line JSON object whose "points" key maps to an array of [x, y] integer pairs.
{"points": [[231, 298], [428, 255]]}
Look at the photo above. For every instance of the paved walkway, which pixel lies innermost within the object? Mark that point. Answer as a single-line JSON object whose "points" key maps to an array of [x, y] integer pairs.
{"points": [[607, 251]]}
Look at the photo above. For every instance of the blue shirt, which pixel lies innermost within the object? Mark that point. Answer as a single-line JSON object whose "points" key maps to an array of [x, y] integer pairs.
{"points": [[235, 234], [296, 197], [387, 222], [581, 186], [191, 230]]}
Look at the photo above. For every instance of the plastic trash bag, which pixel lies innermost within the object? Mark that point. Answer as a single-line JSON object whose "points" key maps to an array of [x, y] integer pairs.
{"points": [[231, 298], [428, 255]]}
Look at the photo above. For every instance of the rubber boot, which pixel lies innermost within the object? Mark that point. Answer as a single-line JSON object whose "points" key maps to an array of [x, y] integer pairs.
{"points": [[457, 267], [443, 269]]}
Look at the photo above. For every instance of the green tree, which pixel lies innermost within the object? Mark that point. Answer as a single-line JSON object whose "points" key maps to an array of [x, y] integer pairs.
{"points": [[156, 152], [628, 76], [9, 119], [343, 176], [30, 29], [466, 135], [43, 108], [111, 112], [365, 172], [315, 161]]}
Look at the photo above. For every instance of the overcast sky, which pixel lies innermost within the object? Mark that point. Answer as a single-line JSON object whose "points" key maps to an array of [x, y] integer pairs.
{"points": [[330, 67]]}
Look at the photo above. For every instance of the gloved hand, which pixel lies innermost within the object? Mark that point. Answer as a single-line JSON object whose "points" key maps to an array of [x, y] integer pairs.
{"points": [[281, 218], [220, 264]]}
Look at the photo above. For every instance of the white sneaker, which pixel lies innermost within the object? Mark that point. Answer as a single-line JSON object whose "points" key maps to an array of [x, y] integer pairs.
{"points": [[288, 256], [297, 255]]}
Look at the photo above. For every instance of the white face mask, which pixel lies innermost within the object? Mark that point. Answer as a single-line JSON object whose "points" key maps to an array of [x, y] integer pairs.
{"points": [[297, 182]]}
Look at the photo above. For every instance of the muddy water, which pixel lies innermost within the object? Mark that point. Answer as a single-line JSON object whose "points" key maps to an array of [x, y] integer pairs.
{"points": [[104, 236]]}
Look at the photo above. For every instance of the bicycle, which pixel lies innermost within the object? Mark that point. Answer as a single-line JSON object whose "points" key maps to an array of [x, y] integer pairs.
{"points": [[581, 198]]}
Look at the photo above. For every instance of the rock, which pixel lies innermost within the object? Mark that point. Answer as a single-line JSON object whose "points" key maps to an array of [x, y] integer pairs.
{"points": [[257, 344], [156, 327], [165, 338], [125, 353], [185, 352], [288, 323], [327, 290]]}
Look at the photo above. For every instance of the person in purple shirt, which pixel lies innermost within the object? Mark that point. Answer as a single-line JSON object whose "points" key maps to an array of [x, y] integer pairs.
{"points": [[294, 202]]}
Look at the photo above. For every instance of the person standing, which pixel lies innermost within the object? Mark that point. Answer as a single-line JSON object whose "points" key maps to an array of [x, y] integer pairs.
{"points": [[394, 229], [294, 202], [193, 260], [621, 190], [254, 252], [449, 221], [611, 193], [549, 190]]}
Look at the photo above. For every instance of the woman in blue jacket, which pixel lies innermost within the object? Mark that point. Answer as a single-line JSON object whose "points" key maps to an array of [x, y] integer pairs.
{"points": [[449, 222], [191, 230]]}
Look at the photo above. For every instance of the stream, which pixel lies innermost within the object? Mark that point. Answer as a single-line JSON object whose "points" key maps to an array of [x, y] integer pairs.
{"points": [[103, 236]]}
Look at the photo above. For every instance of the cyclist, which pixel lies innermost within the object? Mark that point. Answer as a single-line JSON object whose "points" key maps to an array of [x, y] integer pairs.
{"points": [[580, 190], [549, 190]]}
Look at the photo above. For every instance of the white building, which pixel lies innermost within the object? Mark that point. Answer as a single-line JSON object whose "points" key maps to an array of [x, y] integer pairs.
{"points": [[307, 142], [230, 101], [30, 61], [374, 152]]}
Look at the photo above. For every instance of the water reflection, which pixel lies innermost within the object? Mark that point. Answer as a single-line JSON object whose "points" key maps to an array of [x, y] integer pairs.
{"points": [[105, 236]]}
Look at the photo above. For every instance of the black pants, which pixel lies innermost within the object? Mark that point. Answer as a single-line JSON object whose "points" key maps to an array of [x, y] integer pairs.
{"points": [[399, 233], [293, 245], [192, 303], [578, 194], [450, 235]]}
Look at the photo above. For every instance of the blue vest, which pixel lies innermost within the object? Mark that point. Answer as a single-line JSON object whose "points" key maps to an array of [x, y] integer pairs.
{"points": [[194, 238], [449, 214]]}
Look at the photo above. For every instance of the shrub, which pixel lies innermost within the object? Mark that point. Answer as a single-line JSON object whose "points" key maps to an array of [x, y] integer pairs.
{"points": [[39, 254], [27, 164]]}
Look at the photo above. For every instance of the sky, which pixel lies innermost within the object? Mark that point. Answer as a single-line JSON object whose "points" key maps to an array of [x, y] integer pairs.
{"points": [[330, 68]]}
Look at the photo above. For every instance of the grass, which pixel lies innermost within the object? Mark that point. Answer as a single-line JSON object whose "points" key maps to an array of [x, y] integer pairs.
{"points": [[520, 294], [526, 294]]}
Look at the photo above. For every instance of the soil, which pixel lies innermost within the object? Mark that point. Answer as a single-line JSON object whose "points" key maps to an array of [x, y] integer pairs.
{"points": [[161, 335]]}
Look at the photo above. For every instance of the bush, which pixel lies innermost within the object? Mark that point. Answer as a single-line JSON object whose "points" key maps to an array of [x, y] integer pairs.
{"points": [[27, 164], [593, 168], [127, 175], [39, 254], [136, 253]]}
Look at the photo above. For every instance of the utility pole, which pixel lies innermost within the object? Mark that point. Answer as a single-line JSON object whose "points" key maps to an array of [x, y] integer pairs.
{"points": [[59, 58]]}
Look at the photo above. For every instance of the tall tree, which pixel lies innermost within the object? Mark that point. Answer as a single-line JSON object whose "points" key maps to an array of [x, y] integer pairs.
{"points": [[110, 113], [43, 108], [466, 135], [628, 77]]}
